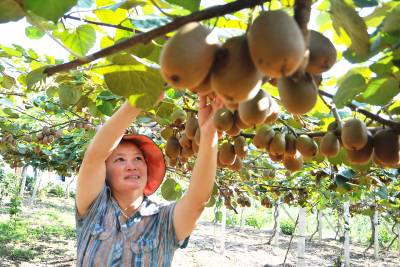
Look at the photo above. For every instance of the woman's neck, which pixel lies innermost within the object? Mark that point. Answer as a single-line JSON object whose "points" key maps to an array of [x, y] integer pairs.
{"points": [[128, 203]]}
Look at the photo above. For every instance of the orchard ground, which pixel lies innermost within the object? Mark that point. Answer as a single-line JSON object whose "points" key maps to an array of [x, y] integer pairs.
{"points": [[44, 235]]}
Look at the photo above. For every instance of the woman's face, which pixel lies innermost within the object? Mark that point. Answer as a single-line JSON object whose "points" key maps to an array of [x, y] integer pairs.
{"points": [[126, 168]]}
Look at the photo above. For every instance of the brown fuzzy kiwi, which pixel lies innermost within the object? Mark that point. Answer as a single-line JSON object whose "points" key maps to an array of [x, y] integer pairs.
{"points": [[299, 95], [197, 137], [306, 146], [329, 145], [263, 137], [286, 47], [233, 131], [362, 155], [237, 164], [240, 146], [187, 152], [322, 53], [234, 77], [204, 88], [274, 112], [223, 119], [277, 145], [293, 162], [172, 148], [195, 147], [276, 158], [227, 154], [238, 122], [387, 147], [185, 142], [354, 134], [290, 141], [256, 110], [191, 127], [187, 57]]}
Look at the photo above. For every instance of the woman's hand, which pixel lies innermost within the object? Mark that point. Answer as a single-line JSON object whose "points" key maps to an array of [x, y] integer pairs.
{"points": [[206, 113]]}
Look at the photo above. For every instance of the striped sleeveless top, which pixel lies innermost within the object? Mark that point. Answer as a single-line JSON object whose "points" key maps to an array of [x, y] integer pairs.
{"points": [[146, 239]]}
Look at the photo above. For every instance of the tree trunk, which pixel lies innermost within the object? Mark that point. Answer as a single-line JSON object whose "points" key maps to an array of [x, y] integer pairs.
{"points": [[376, 234], [319, 216], [68, 187], [23, 181], [241, 219], [37, 177], [346, 234], [301, 243]]}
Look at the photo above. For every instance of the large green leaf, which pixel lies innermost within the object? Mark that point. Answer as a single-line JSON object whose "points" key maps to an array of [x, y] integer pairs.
{"points": [[50, 9], [147, 23], [106, 108], [366, 3], [68, 94], [10, 10], [81, 40], [35, 78], [348, 24], [171, 190], [348, 89], [381, 90], [8, 82], [142, 84], [392, 21], [192, 5]]}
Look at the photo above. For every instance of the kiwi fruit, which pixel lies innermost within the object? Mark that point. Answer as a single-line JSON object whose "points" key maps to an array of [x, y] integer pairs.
{"points": [[273, 112], [256, 110], [290, 144], [171, 161], [276, 44], [172, 148], [263, 137], [234, 77], [299, 95], [233, 131], [197, 137], [238, 122], [276, 158], [277, 145], [330, 145], [187, 57], [322, 53], [293, 162], [306, 146], [227, 154], [195, 147], [237, 164], [178, 116], [223, 119], [362, 155], [231, 105], [185, 142], [240, 146], [191, 126], [387, 147], [354, 134], [187, 152], [204, 88]]}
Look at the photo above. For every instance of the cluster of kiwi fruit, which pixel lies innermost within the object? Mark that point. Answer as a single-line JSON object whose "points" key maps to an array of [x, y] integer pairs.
{"points": [[361, 145], [273, 48], [46, 136], [8, 138], [85, 124]]}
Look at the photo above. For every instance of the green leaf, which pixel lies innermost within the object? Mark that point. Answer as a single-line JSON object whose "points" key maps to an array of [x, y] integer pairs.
{"points": [[348, 24], [81, 40], [348, 89], [381, 69], [34, 77], [10, 10], [33, 33], [8, 82], [52, 91], [392, 22], [68, 94], [167, 133], [381, 90], [50, 9], [170, 190], [165, 109], [142, 84], [192, 5], [148, 22], [366, 3], [10, 113], [342, 182], [106, 108], [211, 202]]}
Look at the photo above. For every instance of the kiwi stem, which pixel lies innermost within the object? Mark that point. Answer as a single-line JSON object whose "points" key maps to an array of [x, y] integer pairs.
{"points": [[287, 126], [223, 194]]}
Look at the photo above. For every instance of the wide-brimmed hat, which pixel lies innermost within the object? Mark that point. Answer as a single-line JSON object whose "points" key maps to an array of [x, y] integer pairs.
{"points": [[154, 158]]}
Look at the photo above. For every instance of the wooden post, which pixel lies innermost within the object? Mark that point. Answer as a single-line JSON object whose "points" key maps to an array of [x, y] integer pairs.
{"points": [[301, 242], [37, 178], [376, 233], [223, 227], [346, 234], [241, 218], [23, 181], [398, 237], [319, 216], [275, 241]]}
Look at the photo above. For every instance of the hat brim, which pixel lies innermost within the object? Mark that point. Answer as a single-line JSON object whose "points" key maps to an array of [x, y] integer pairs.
{"points": [[154, 159]]}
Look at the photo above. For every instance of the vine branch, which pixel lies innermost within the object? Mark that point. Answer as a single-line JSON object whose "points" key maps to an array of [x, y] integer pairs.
{"points": [[208, 13]]}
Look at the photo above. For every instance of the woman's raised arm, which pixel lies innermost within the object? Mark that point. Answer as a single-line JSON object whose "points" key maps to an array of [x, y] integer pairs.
{"points": [[92, 172]]}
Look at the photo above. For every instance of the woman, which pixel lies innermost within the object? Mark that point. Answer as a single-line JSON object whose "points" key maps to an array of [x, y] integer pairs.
{"points": [[117, 225]]}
